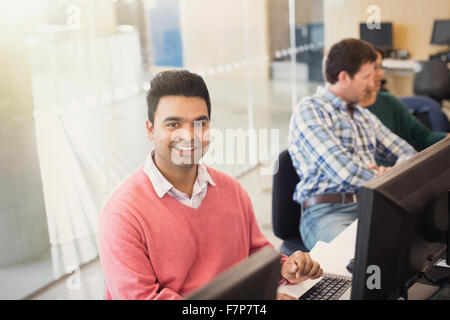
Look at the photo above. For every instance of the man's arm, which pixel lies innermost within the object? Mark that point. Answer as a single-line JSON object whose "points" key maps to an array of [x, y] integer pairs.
{"points": [[295, 268], [257, 238], [125, 262], [310, 135]]}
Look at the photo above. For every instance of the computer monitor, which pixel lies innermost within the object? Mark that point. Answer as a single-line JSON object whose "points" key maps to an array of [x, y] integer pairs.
{"points": [[403, 224], [255, 278], [381, 38], [441, 32]]}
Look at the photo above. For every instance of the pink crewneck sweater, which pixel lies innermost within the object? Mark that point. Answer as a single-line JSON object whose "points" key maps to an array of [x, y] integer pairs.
{"points": [[152, 248]]}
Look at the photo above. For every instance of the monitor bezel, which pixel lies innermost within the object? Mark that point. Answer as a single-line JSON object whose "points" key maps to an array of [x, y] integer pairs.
{"points": [[378, 190], [265, 260], [433, 34]]}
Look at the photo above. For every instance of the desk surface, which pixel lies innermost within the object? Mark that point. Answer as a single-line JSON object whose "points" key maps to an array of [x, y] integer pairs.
{"points": [[334, 257], [398, 64], [412, 64]]}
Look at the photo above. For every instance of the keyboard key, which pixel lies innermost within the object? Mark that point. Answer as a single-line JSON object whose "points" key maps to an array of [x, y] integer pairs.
{"points": [[327, 289]]}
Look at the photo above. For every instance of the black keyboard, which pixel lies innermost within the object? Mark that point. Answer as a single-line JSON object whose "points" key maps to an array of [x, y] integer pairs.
{"points": [[328, 288]]}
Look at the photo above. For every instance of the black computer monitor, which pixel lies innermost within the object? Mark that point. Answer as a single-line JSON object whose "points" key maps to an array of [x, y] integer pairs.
{"points": [[255, 278], [381, 38], [441, 32], [403, 224]]}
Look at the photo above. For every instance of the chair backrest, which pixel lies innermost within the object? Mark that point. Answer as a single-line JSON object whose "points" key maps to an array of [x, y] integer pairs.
{"points": [[285, 211], [428, 111], [433, 80]]}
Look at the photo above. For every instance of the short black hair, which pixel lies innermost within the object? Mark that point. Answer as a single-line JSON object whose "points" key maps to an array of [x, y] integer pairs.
{"points": [[381, 52], [347, 55], [176, 83]]}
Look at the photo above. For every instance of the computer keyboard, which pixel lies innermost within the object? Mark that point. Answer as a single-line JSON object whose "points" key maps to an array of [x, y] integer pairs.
{"points": [[328, 288]]}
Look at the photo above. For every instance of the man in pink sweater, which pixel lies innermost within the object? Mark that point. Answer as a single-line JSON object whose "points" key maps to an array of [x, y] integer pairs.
{"points": [[175, 224]]}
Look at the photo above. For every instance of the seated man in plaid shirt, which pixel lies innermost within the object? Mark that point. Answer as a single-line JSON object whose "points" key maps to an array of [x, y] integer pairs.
{"points": [[333, 143]]}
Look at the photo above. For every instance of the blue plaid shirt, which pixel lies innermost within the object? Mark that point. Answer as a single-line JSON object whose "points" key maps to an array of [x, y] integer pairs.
{"points": [[331, 150]]}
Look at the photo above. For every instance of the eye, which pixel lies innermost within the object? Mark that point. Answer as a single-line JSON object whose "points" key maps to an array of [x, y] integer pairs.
{"points": [[172, 124]]}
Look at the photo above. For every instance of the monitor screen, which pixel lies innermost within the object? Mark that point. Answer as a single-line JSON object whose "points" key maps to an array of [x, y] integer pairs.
{"points": [[441, 32], [381, 38], [255, 278], [402, 224]]}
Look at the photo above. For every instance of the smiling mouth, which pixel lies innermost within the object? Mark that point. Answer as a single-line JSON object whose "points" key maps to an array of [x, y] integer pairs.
{"points": [[183, 148]]}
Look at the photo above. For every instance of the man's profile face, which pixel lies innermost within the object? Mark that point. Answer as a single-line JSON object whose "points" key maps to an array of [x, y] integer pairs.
{"points": [[179, 131], [362, 81]]}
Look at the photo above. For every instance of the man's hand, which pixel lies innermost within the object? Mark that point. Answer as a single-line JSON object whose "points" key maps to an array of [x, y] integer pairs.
{"points": [[380, 169], [300, 267]]}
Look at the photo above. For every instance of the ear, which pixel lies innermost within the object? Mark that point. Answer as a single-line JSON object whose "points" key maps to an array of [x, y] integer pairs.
{"points": [[150, 129], [343, 76]]}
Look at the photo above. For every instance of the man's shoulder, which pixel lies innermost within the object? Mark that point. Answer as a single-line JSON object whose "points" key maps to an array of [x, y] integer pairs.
{"points": [[224, 181], [312, 107], [134, 187], [220, 177], [316, 99]]}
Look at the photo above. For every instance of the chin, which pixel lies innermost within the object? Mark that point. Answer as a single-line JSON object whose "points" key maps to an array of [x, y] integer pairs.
{"points": [[187, 162], [186, 165]]}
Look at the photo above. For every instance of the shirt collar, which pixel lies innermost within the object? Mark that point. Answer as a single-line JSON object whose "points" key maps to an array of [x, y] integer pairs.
{"points": [[162, 185], [335, 101]]}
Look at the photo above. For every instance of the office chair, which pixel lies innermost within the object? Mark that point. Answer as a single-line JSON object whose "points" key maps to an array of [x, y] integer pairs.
{"points": [[285, 211], [428, 111], [433, 80]]}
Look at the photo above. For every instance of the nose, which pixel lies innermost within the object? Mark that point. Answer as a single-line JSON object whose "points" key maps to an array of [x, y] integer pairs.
{"points": [[188, 133], [182, 134]]}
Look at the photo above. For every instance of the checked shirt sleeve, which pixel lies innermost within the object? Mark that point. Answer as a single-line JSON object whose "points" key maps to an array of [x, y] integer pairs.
{"points": [[313, 138]]}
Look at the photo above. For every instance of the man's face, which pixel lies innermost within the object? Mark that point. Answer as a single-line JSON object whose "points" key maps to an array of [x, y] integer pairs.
{"points": [[378, 73], [362, 81], [179, 131]]}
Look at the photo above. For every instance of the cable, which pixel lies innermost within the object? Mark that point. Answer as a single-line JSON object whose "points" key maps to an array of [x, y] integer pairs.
{"points": [[438, 291]]}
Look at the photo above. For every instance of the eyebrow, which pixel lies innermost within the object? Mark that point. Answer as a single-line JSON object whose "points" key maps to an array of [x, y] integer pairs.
{"points": [[201, 118], [182, 119], [173, 119]]}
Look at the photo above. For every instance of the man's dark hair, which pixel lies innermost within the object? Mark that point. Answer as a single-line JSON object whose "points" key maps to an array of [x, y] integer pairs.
{"points": [[176, 83], [381, 52], [347, 55]]}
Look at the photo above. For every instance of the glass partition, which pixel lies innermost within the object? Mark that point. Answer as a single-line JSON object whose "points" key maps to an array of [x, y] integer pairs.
{"points": [[73, 107]]}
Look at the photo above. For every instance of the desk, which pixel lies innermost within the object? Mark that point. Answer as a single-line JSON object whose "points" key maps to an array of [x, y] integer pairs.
{"points": [[404, 65], [334, 257], [412, 65], [400, 74]]}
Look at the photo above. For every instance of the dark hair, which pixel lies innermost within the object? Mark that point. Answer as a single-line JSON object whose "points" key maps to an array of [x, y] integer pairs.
{"points": [[381, 52], [347, 55], [176, 83]]}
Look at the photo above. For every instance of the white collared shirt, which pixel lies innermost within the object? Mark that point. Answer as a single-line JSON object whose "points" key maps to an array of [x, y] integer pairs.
{"points": [[163, 186]]}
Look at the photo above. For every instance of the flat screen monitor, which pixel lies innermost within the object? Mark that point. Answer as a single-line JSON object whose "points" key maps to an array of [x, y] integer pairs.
{"points": [[403, 224], [441, 32], [381, 38], [255, 278]]}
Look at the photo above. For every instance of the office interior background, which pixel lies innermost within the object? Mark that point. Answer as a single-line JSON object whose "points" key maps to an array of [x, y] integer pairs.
{"points": [[74, 76]]}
